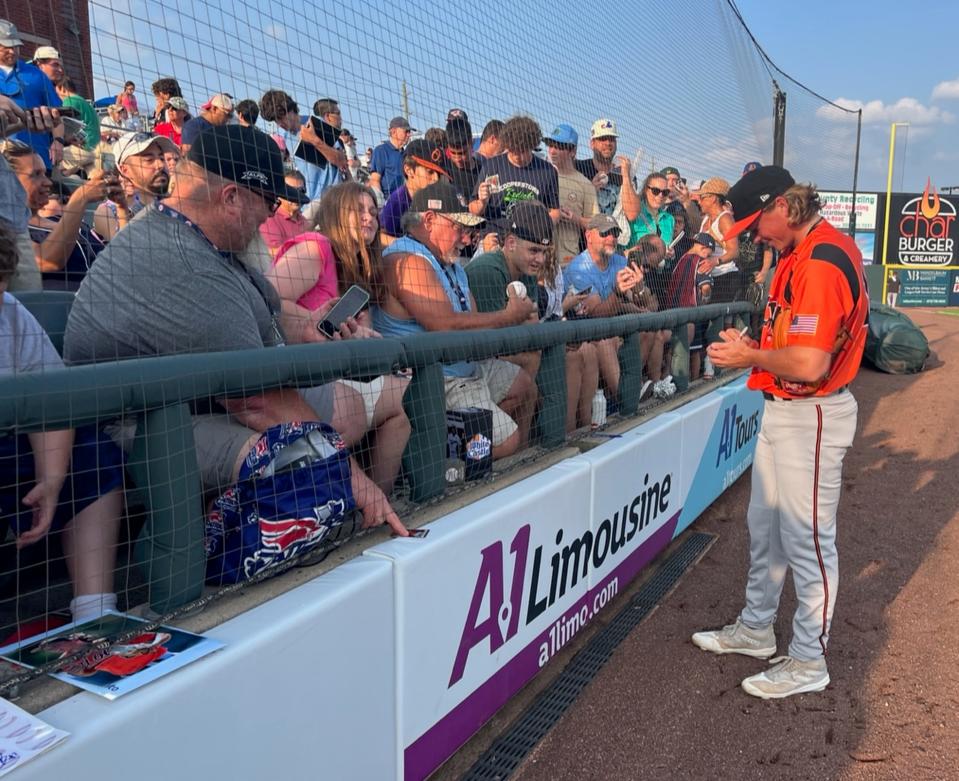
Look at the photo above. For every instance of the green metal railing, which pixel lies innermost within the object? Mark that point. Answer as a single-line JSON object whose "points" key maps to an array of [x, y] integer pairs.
{"points": [[158, 391]]}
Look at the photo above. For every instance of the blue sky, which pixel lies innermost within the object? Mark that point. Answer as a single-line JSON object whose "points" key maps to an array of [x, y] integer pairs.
{"points": [[680, 79], [895, 59]]}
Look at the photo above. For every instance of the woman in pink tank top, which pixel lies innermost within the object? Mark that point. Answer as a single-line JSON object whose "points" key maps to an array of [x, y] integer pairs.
{"points": [[310, 272]]}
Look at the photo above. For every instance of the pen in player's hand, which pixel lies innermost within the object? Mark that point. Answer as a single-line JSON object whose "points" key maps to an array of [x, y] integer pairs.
{"points": [[742, 333]]}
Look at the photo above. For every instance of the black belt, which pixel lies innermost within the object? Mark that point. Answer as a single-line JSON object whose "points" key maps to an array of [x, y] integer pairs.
{"points": [[771, 397]]}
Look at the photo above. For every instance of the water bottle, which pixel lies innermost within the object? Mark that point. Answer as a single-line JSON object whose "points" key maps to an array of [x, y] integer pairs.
{"points": [[599, 409]]}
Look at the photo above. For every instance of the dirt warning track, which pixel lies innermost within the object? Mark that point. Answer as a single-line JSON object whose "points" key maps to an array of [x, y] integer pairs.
{"points": [[663, 709]]}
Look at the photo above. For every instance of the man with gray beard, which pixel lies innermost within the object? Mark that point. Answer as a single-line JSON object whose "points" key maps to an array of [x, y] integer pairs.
{"points": [[171, 283]]}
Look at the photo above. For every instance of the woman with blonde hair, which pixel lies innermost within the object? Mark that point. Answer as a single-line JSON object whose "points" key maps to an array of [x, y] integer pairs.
{"points": [[310, 272]]}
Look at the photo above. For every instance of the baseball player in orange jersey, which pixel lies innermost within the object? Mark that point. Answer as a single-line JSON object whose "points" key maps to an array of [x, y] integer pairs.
{"points": [[809, 351]]}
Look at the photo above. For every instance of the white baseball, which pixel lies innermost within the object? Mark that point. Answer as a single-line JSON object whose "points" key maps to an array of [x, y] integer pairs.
{"points": [[516, 290]]}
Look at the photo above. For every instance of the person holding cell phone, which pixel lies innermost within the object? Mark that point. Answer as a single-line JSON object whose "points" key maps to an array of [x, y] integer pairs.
{"points": [[517, 175], [646, 210], [141, 165], [345, 260], [63, 248], [29, 87], [612, 280], [171, 283]]}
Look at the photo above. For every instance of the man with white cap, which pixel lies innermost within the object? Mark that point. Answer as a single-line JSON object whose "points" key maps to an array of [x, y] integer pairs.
{"points": [[218, 110], [47, 59], [29, 88], [600, 168], [141, 163]]}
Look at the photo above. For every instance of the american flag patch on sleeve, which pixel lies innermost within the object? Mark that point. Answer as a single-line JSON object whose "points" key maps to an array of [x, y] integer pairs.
{"points": [[804, 324]]}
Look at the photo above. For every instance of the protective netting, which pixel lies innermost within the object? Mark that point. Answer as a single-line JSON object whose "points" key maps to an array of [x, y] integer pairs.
{"points": [[208, 454]]}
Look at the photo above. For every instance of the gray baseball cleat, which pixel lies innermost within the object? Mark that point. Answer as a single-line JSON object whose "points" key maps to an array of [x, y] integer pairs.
{"points": [[788, 676], [738, 639]]}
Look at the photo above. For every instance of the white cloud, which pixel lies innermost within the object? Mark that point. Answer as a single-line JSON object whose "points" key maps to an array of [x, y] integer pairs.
{"points": [[876, 112], [946, 90]]}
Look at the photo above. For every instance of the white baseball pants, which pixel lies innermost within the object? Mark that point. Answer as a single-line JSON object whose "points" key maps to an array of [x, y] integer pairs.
{"points": [[796, 482]]}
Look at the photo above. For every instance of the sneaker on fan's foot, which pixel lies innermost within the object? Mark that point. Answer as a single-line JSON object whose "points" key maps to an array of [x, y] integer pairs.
{"points": [[738, 639], [788, 676], [647, 390]]}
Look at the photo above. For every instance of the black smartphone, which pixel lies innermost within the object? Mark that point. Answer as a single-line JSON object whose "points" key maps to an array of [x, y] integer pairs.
{"points": [[66, 111], [351, 303], [330, 134]]}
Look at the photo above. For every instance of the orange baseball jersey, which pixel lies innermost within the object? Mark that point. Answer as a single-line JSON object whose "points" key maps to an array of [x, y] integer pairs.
{"points": [[818, 298]]}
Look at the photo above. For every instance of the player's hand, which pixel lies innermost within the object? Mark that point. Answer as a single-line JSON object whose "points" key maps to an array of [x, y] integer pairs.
{"points": [[733, 335], [42, 499], [738, 354]]}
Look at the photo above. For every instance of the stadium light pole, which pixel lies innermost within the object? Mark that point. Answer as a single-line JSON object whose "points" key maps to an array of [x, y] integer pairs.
{"points": [[885, 230]]}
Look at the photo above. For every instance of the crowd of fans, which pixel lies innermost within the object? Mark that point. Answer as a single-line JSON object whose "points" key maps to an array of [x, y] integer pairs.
{"points": [[202, 233]]}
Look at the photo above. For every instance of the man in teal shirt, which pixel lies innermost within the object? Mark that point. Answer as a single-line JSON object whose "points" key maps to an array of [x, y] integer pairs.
{"points": [[529, 234]]}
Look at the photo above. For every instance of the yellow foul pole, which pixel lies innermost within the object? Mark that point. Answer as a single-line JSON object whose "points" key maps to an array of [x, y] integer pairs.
{"points": [[885, 230]]}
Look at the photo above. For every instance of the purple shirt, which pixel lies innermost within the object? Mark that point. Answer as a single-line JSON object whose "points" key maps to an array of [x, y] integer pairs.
{"points": [[393, 210]]}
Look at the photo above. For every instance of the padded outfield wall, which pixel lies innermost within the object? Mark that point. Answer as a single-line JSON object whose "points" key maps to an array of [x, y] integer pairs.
{"points": [[386, 665]]}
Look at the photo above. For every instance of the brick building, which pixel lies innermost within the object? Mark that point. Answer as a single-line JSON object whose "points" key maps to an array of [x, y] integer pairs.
{"points": [[63, 24]]}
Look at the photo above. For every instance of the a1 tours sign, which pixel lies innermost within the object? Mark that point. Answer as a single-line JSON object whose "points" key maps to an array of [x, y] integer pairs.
{"points": [[923, 229]]}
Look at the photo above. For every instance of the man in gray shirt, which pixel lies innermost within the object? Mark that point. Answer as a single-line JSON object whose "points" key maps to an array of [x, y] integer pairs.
{"points": [[170, 283]]}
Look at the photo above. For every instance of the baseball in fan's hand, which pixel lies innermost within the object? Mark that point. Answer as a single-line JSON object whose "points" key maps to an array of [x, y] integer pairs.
{"points": [[516, 290]]}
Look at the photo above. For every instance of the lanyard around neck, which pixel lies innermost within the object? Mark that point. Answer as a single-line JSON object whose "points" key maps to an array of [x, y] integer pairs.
{"points": [[230, 258], [464, 304]]}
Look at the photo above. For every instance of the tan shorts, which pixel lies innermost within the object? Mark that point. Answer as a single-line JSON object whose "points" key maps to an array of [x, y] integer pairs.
{"points": [[220, 440], [495, 378]]}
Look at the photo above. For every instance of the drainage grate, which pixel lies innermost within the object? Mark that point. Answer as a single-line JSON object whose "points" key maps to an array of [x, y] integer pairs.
{"points": [[510, 748]]}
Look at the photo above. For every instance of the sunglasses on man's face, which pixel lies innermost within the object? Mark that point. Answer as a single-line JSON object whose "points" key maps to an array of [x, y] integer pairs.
{"points": [[656, 191], [610, 232]]}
